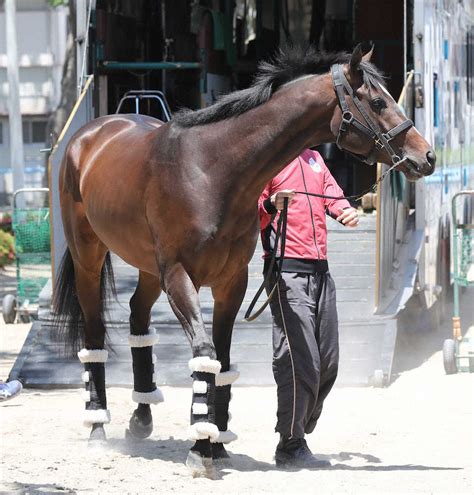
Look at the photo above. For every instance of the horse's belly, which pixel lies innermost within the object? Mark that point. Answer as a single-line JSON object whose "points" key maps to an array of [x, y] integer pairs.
{"points": [[227, 259]]}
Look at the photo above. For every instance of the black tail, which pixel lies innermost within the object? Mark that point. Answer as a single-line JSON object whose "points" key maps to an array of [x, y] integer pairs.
{"points": [[68, 320]]}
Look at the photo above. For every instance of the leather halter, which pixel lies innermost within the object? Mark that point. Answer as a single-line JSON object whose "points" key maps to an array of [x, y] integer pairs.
{"points": [[372, 130]]}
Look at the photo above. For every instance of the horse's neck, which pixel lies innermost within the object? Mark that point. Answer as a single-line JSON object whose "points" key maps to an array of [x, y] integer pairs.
{"points": [[265, 139]]}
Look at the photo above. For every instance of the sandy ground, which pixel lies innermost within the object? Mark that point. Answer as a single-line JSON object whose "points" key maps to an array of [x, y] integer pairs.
{"points": [[415, 436]]}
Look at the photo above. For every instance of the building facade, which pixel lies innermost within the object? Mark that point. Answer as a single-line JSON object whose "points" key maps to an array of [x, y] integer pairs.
{"points": [[41, 41]]}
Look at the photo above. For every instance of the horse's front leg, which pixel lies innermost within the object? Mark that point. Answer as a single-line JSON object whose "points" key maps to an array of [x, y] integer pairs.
{"points": [[228, 298], [184, 301]]}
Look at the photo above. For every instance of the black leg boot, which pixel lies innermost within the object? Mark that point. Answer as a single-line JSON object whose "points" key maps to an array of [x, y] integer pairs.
{"points": [[96, 413], [145, 392], [203, 428], [224, 381]]}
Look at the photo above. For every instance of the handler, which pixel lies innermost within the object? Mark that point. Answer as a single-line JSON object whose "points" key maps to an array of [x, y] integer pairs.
{"points": [[305, 326]]}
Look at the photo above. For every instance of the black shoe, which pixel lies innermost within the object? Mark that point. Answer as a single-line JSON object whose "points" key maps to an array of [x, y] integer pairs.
{"points": [[299, 455]]}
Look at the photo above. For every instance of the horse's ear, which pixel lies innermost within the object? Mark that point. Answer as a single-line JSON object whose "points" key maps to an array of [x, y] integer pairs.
{"points": [[361, 53], [356, 58], [368, 55]]}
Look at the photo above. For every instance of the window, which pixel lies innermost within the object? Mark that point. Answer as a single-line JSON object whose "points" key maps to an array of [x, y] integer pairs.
{"points": [[38, 131], [34, 131]]}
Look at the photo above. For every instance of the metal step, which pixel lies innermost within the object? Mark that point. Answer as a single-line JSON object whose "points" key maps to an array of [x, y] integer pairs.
{"points": [[363, 348], [359, 257], [358, 270]]}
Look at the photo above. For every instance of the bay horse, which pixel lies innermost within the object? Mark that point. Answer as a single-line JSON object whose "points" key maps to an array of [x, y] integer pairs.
{"points": [[178, 201]]}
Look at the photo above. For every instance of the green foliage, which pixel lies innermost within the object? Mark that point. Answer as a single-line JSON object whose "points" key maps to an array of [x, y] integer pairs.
{"points": [[7, 248], [57, 3], [6, 222]]}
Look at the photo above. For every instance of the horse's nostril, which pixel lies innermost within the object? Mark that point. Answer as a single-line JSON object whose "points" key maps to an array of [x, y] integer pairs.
{"points": [[431, 157]]}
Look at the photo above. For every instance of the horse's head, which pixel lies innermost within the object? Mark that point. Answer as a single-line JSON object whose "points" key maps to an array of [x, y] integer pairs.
{"points": [[370, 124]]}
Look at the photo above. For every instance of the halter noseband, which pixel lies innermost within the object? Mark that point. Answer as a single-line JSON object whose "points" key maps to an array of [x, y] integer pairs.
{"points": [[372, 130]]}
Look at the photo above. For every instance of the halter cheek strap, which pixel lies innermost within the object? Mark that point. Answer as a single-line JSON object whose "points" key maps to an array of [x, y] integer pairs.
{"points": [[371, 130]]}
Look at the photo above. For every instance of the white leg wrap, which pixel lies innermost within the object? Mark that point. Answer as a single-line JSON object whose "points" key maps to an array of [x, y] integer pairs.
{"points": [[202, 431], [147, 340], [154, 358], [199, 408], [86, 396], [85, 376], [199, 387], [225, 437], [93, 356], [227, 377], [204, 364], [94, 416], [154, 397]]}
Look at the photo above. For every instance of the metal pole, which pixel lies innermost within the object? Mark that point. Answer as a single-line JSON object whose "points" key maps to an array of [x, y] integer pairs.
{"points": [[165, 44], [405, 33], [81, 30], [16, 130], [456, 317], [85, 48], [259, 29]]}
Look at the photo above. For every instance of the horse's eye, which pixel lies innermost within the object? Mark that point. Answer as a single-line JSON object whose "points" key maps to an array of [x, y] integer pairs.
{"points": [[378, 104]]}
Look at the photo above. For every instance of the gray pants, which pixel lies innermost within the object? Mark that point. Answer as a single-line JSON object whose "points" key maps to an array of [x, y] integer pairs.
{"points": [[305, 349]]}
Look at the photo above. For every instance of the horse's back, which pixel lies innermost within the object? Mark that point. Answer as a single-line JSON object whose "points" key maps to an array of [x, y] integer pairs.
{"points": [[101, 130], [106, 140]]}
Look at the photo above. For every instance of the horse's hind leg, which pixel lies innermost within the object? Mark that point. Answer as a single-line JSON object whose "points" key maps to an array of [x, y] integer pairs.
{"points": [[184, 300], [87, 270], [142, 337], [88, 255]]}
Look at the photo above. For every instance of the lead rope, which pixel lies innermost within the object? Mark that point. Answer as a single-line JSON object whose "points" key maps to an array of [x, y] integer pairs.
{"points": [[281, 233], [354, 197]]}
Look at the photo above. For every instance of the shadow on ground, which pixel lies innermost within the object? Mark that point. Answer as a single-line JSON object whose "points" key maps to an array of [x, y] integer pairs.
{"points": [[33, 489], [176, 451]]}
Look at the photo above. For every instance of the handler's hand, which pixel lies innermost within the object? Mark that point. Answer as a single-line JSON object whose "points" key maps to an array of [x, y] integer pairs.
{"points": [[348, 217], [277, 198]]}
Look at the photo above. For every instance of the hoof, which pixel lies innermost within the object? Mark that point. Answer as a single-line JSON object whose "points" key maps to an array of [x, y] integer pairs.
{"points": [[138, 429], [97, 437], [219, 453], [200, 467]]}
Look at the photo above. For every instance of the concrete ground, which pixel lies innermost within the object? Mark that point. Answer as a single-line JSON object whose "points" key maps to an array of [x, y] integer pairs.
{"points": [[415, 436]]}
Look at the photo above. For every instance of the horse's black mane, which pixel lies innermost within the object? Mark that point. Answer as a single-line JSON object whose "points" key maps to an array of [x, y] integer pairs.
{"points": [[286, 66]]}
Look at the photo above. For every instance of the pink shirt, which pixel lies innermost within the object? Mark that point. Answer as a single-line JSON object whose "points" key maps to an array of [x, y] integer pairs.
{"points": [[308, 173]]}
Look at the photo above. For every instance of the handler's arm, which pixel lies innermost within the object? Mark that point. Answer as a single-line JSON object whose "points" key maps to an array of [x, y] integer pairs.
{"points": [[340, 209]]}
